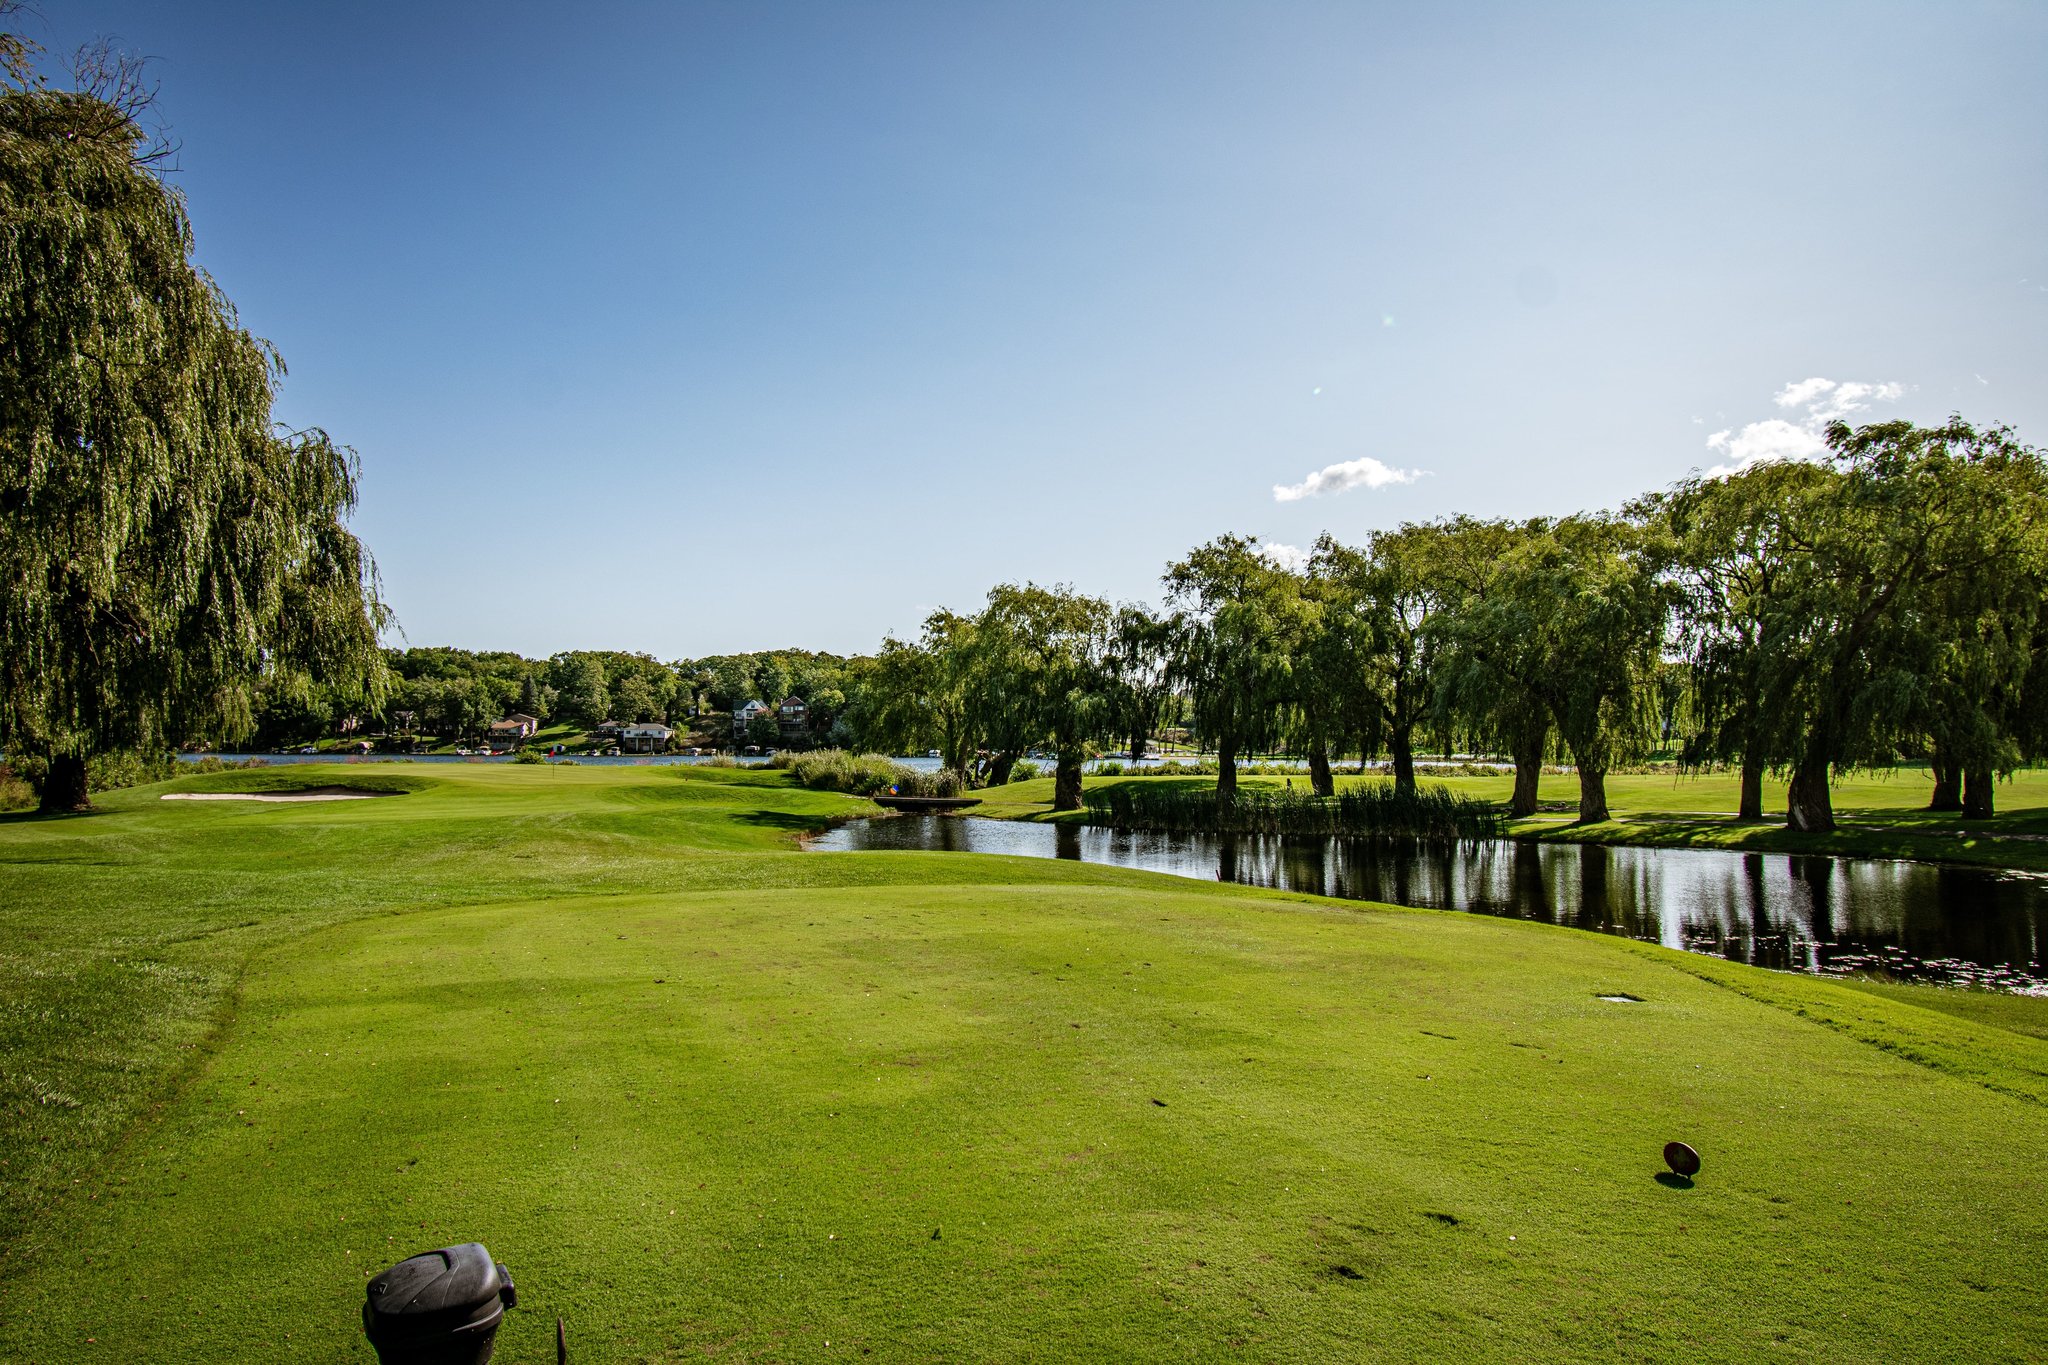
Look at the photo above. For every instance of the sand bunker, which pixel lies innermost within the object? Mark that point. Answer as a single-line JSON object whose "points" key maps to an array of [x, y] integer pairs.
{"points": [[305, 794]]}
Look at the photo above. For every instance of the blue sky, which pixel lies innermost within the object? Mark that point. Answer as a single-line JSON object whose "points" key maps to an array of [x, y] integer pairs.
{"points": [[704, 327]]}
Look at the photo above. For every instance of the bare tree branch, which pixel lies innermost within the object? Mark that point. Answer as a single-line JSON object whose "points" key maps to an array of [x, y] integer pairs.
{"points": [[119, 81]]}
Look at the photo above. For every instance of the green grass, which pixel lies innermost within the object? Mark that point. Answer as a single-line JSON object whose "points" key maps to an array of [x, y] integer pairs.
{"points": [[2027, 1014], [711, 1097]]}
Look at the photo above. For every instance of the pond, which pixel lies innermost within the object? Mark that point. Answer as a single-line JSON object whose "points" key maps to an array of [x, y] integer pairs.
{"points": [[1920, 921]]}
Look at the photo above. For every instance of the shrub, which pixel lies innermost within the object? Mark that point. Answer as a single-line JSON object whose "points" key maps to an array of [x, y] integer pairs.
{"points": [[1174, 767], [213, 763], [529, 756], [1024, 770], [108, 772], [870, 775], [839, 771], [939, 782]]}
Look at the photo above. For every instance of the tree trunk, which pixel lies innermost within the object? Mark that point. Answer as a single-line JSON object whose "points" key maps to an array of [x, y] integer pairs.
{"points": [[1226, 771], [1137, 741], [1523, 802], [954, 753], [1751, 806], [1948, 783], [1066, 780], [999, 766], [1402, 743], [1977, 801], [1528, 756], [1592, 795], [64, 785], [1319, 770], [1809, 808]]}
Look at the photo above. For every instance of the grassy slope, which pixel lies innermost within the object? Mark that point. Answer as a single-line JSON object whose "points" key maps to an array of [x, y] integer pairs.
{"points": [[1882, 816], [2027, 1014], [703, 1094], [123, 934]]}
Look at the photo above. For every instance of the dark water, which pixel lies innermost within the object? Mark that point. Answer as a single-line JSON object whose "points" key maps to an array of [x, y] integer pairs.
{"points": [[1922, 921]]}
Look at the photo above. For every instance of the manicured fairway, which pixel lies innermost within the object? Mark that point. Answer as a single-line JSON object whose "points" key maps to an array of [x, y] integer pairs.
{"points": [[711, 1099]]}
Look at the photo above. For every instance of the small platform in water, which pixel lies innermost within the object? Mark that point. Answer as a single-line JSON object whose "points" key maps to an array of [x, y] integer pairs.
{"points": [[927, 805]]}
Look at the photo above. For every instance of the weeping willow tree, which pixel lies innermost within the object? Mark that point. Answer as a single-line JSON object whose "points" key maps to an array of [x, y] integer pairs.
{"points": [[165, 550]]}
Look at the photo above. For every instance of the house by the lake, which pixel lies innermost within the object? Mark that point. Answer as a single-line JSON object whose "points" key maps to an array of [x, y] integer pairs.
{"points": [[512, 731], [645, 737], [793, 718]]}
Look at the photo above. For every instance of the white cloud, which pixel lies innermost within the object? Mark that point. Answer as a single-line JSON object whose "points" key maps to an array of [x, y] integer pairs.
{"points": [[1365, 472], [1826, 401], [1804, 392], [1292, 558], [1776, 438]]}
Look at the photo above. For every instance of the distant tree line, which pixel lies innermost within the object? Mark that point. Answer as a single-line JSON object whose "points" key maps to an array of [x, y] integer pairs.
{"points": [[1803, 619], [456, 694]]}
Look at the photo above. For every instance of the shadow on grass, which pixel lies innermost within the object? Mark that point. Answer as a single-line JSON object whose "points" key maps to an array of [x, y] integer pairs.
{"points": [[24, 817], [1709, 830], [779, 819], [1671, 1180]]}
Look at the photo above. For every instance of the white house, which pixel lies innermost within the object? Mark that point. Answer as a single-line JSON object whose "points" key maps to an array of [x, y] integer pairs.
{"points": [[645, 737], [744, 713]]}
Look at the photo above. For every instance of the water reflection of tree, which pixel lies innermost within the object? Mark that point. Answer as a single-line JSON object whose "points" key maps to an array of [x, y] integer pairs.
{"points": [[1444, 863], [1529, 890], [1769, 944], [1591, 912], [1814, 881], [1306, 865], [1637, 906], [1984, 917]]}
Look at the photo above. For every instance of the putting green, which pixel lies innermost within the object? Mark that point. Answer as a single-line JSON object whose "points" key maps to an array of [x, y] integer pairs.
{"points": [[938, 1107]]}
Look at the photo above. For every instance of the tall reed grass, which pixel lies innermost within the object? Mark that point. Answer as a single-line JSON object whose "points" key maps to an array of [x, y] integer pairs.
{"points": [[1365, 811], [1196, 767], [1209, 767], [836, 770]]}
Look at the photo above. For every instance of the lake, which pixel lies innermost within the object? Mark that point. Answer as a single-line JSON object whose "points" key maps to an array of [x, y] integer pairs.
{"points": [[1920, 921]]}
